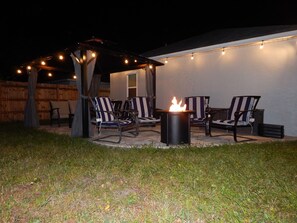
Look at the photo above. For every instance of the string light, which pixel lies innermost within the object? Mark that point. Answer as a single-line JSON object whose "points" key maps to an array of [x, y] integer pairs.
{"points": [[223, 50], [61, 57]]}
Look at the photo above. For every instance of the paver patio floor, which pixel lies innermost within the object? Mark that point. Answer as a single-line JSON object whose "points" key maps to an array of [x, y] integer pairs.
{"points": [[150, 138]]}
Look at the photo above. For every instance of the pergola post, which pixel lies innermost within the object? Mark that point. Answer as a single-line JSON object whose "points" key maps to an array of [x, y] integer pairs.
{"points": [[84, 90], [154, 86]]}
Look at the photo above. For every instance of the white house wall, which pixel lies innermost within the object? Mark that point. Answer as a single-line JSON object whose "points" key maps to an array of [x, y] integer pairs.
{"points": [[247, 70], [118, 84]]}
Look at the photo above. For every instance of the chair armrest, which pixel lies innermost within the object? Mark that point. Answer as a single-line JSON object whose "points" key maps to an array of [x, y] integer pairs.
{"points": [[55, 109], [238, 114], [52, 109], [118, 114], [128, 113], [131, 113], [211, 112]]}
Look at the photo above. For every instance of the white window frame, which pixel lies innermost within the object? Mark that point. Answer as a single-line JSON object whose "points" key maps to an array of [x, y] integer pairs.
{"points": [[133, 87]]}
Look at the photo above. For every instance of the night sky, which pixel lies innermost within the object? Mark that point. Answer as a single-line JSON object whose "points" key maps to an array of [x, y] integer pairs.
{"points": [[32, 30]]}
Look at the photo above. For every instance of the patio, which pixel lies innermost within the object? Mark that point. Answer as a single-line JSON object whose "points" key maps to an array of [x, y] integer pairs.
{"points": [[149, 138]]}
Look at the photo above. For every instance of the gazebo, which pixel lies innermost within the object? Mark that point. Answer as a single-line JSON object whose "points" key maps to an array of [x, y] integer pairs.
{"points": [[84, 59]]}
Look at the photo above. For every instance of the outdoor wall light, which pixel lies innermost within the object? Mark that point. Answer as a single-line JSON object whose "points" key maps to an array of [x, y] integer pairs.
{"points": [[192, 57], [223, 51], [262, 45]]}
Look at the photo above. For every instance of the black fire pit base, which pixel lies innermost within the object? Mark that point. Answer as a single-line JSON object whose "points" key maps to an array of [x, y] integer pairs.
{"points": [[175, 127]]}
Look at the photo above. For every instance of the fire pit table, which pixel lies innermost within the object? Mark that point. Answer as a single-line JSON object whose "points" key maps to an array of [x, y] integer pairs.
{"points": [[175, 127]]}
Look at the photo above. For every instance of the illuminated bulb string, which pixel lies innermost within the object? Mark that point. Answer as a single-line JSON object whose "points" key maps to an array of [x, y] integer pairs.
{"points": [[261, 46]]}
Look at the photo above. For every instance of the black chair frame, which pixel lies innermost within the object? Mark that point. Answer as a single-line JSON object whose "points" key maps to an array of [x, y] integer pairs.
{"points": [[235, 120], [117, 124]]}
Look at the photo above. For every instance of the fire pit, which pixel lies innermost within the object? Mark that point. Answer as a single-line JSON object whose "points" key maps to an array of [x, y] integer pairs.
{"points": [[175, 124]]}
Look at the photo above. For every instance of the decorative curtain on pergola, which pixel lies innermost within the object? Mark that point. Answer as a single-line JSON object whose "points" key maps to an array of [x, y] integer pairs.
{"points": [[84, 64], [95, 85], [30, 115], [149, 80]]}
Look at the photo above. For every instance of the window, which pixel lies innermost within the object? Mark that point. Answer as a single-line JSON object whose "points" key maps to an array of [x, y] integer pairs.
{"points": [[132, 85]]}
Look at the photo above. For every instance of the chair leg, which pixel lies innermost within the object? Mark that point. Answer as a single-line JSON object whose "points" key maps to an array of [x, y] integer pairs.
{"points": [[119, 134], [235, 134], [209, 130], [206, 128], [102, 139]]}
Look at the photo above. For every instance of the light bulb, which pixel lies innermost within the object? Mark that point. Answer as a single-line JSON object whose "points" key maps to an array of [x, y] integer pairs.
{"points": [[262, 45]]}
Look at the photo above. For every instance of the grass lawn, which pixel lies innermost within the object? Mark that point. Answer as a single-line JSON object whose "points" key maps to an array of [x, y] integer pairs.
{"points": [[47, 177]]}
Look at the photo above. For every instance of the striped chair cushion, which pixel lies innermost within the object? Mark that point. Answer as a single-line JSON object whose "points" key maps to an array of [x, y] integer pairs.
{"points": [[141, 104], [241, 103], [104, 108], [230, 122], [238, 103], [148, 120], [116, 124], [197, 104]]}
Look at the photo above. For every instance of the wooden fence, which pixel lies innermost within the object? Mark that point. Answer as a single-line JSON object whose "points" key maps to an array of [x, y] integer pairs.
{"points": [[13, 98]]}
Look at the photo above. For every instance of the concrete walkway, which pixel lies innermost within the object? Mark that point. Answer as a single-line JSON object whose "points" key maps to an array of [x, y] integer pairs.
{"points": [[150, 138]]}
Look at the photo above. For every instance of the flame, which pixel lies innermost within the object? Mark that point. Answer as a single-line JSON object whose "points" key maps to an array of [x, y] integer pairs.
{"points": [[177, 107]]}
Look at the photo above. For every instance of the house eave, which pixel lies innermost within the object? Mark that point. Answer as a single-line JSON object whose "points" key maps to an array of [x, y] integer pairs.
{"points": [[248, 41]]}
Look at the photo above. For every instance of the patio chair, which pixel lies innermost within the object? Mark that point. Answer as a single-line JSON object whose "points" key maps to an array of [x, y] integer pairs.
{"points": [[141, 104], [72, 108], [117, 104], [198, 104], [239, 115], [59, 110], [107, 118]]}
